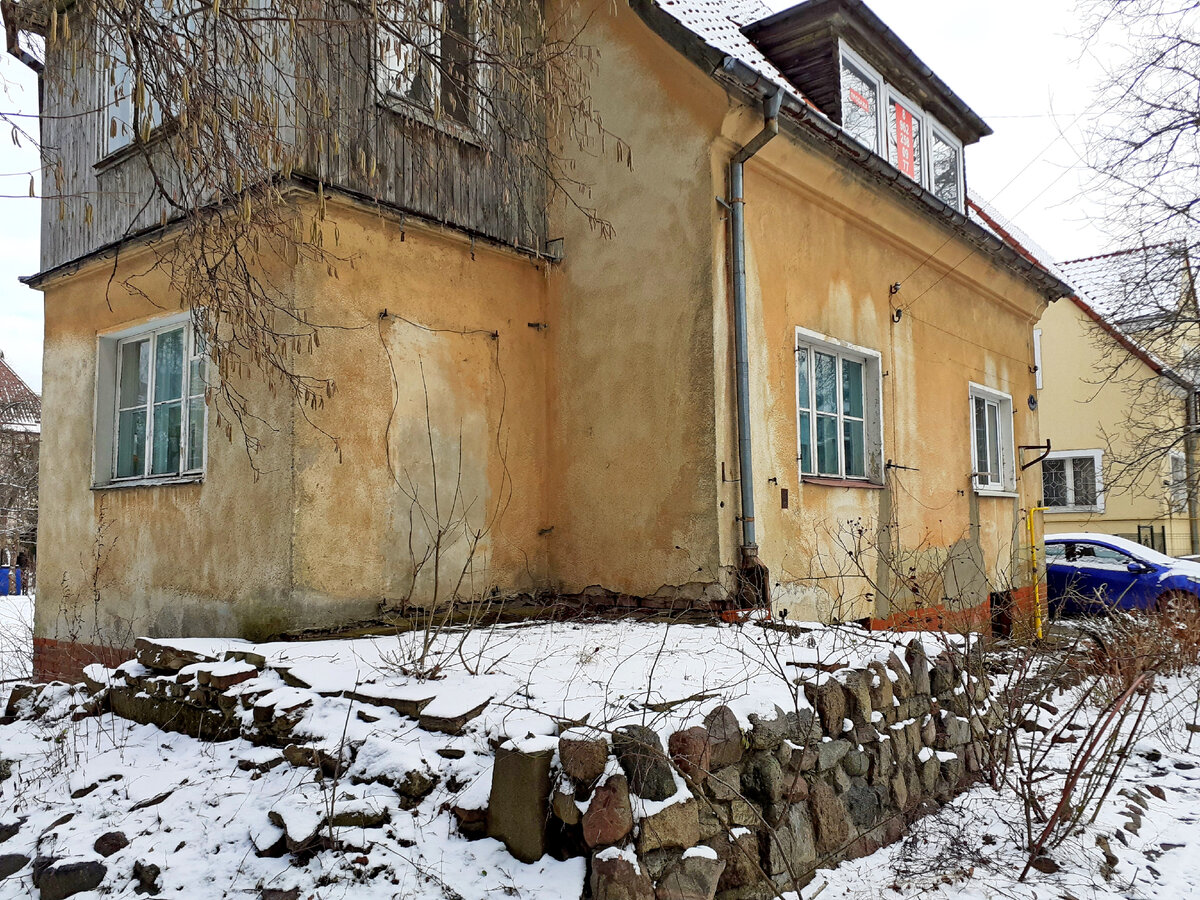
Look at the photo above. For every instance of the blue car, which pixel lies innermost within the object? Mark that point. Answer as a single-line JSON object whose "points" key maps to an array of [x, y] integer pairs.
{"points": [[1087, 573]]}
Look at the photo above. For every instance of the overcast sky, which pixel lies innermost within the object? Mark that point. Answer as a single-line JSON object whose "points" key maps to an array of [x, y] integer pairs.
{"points": [[1017, 64]]}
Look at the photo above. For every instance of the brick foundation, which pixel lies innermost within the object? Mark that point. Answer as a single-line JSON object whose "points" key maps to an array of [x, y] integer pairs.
{"points": [[938, 618], [65, 660]]}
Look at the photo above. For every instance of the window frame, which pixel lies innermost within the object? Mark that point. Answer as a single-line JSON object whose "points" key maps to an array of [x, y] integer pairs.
{"points": [[872, 402], [111, 106], [1177, 489], [435, 115], [1006, 486], [886, 93], [107, 404], [1097, 457]]}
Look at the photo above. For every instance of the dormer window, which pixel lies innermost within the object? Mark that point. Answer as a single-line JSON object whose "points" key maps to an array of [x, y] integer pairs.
{"points": [[910, 135], [853, 68]]}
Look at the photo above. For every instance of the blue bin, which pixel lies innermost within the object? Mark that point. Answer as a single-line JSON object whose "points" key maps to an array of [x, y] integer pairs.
{"points": [[4, 577]]}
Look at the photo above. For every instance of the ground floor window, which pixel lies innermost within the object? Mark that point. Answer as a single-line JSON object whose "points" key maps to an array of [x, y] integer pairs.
{"points": [[1072, 480], [992, 454], [153, 381], [837, 402]]}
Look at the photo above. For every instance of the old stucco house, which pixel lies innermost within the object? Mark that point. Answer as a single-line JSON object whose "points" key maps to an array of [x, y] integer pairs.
{"points": [[797, 373]]}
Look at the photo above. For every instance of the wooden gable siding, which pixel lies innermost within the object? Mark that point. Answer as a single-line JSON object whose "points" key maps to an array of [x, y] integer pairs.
{"points": [[420, 169]]}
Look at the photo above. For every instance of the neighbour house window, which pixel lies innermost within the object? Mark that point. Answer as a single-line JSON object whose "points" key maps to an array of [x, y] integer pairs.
{"points": [[912, 141], [158, 414], [430, 68], [1178, 485], [992, 457], [1072, 480], [837, 401]]}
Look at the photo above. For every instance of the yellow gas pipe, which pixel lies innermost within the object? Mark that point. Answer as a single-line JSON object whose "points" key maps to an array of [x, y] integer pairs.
{"points": [[1037, 596]]}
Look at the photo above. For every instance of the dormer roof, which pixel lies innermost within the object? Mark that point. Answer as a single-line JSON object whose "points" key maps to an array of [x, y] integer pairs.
{"points": [[804, 43]]}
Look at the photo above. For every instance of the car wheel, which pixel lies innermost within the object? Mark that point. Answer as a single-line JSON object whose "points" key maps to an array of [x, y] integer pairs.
{"points": [[1176, 602]]}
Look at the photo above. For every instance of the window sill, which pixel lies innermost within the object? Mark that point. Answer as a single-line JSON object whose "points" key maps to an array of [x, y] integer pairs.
{"points": [[405, 109], [133, 148], [1074, 510], [995, 492], [149, 482], [841, 482]]}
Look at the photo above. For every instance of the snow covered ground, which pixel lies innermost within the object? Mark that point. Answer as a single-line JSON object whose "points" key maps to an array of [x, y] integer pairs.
{"points": [[199, 812], [16, 638]]}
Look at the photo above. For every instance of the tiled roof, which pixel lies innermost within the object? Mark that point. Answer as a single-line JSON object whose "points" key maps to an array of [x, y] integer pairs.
{"points": [[20, 407], [1136, 286], [719, 24], [982, 213]]}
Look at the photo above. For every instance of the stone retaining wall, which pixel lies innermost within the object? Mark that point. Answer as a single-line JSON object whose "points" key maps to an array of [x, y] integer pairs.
{"points": [[730, 808], [747, 812]]}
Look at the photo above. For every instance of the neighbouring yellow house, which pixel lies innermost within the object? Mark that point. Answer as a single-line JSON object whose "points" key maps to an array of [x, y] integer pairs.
{"points": [[797, 374], [1115, 399]]}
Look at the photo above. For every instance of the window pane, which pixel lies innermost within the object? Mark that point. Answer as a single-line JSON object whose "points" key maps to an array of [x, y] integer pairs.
{"points": [[981, 442], [131, 443], [168, 366], [165, 445], [806, 465], [827, 445], [802, 377], [855, 449], [456, 70], [195, 441], [1084, 479], [135, 373], [993, 425], [852, 388], [1054, 482], [858, 106], [945, 171], [904, 140], [826, 376]]}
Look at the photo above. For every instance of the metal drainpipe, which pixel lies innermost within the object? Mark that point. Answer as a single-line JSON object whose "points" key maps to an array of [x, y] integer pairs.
{"points": [[737, 219]]}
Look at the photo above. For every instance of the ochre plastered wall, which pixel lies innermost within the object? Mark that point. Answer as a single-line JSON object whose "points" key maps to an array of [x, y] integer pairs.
{"points": [[823, 246], [1087, 405]]}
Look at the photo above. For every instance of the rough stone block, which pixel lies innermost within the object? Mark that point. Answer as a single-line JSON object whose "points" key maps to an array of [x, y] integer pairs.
{"points": [[60, 880], [880, 686], [830, 753], [762, 778], [691, 752], [640, 753], [768, 734], [902, 686], [583, 759], [695, 877], [725, 784], [828, 817], [918, 665], [519, 800], [616, 877], [858, 696], [609, 817], [725, 738], [675, 825], [791, 848]]}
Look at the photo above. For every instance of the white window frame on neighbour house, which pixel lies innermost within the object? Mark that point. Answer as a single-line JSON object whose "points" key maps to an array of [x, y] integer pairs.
{"points": [[887, 96], [865, 417], [997, 474], [1177, 486], [120, 400], [400, 65], [1072, 484]]}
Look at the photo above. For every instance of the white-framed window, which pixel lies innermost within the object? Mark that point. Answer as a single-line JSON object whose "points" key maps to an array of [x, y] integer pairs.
{"points": [[151, 416], [882, 119], [1037, 357], [432, 69], [838, 409], [992, 453], [129, 109], [1073, 481], [1177, 487]]}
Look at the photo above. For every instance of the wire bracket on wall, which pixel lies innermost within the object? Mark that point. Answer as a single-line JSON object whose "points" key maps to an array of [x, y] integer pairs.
{"points": [[892, 465], [1045, 448]]}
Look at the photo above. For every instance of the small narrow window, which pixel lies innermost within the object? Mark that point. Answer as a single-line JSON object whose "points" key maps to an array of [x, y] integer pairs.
{"points": [[992, 440], [1071, 480], [904, 139], [947, 171], [860, 114]]}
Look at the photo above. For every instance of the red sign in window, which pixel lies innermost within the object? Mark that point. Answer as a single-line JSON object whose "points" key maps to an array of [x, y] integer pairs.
{"points": [[860, 100], [904, 142]]}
